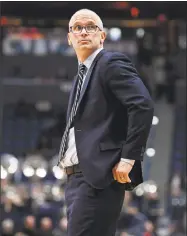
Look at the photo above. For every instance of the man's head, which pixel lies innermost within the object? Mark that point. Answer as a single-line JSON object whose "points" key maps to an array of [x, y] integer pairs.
{"points": [[63, 223], [85, 40], [7, 226], [30, 222], [46, 224]]}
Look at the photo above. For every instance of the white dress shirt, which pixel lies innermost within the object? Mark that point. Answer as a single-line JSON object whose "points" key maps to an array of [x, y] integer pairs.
{"points": [[70, 157]]}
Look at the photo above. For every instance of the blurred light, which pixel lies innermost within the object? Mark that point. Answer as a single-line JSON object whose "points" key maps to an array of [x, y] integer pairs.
{"points": [[182, 41], [155, 120], [3, 20], [134, 11], [36, 161], [150, 152], [146, 187], [66, 86], [28, 171], [13, 165], [12, 169], [163, 231], [121, 5], [58, 173], [8, 224], [140, 33], [139, 192], [162, 17], [3, 173], [53, 161], [47, 188], [115, 34], [8, 160], [64, 210], [55, 190], [41, 172], [43, 105], [152, 188], [11, 194]]}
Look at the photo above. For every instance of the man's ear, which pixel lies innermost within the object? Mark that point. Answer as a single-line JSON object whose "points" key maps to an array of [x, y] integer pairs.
{"points": [[69, 41], [103, 37]]}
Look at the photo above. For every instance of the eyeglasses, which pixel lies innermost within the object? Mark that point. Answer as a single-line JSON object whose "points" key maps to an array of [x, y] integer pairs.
{"points": [[90, 29]]}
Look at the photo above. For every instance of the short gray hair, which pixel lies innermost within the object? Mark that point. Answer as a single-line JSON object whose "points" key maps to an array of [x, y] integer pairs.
{"points": [[100, 23]]}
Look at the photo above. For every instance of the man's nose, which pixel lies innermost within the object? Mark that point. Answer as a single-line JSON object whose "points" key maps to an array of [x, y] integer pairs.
{"points": [[84, 32]]}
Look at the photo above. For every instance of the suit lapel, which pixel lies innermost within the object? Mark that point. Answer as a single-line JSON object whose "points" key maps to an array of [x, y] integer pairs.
{"points": [[88, 76]]}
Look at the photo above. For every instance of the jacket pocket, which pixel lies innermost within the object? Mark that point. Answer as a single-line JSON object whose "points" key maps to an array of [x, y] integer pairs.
{"points": [[109, 145]]}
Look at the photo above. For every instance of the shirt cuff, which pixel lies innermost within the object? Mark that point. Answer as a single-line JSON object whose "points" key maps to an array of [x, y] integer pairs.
{"points": [[131, 162]]}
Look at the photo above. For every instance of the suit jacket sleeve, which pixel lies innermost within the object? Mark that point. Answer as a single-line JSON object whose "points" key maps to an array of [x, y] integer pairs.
{"points": [[128, 88]]}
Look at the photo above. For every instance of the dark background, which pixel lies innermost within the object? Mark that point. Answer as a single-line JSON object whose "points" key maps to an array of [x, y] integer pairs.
{"points": [[64, 9]]}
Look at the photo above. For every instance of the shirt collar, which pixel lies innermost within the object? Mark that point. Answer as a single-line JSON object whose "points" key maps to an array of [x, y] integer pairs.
{"points": [[91, 58]]}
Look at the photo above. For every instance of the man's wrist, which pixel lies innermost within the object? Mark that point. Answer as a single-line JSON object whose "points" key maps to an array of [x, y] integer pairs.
{"points": [[130, 162]]}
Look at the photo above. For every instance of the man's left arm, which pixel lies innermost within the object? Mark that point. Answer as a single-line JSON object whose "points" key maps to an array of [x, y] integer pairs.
{"points": [[128, 88], [125, 84]]}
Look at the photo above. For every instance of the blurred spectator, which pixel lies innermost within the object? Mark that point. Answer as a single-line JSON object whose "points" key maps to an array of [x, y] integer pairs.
{"points": [[61, 230], [149, 229], [30, 226], [177, 208], [175, 230], [176, 181], [132, 221], [20, 234], [7, 227], [152, 207], [45, 227]]}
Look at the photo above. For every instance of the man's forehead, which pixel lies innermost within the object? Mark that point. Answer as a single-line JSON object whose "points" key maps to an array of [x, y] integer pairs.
{"points": [[84, 17]]}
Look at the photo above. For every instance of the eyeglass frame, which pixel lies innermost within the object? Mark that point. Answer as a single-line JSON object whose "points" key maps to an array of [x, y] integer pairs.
{"points": [[84, 27]]}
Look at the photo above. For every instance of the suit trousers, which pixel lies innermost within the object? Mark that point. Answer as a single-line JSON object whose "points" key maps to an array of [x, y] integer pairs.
{"points": [[91, 211]]}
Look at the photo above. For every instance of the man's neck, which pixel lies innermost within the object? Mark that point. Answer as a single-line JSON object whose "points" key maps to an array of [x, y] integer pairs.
{"points": [[83, 55]]}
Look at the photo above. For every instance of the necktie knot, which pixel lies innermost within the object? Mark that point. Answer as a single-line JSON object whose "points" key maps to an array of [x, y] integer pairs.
{"points": [[82, 68]]}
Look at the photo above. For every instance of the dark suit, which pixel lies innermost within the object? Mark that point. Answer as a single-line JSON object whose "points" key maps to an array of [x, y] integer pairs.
{"points": [[112, 122]]}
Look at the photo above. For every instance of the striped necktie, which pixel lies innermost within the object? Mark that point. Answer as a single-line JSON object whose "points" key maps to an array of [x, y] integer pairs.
{"points": [[63, 145]]}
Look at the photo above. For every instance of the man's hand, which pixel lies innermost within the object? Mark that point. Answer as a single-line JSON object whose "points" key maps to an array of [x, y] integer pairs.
{"points": [[121, 172]]}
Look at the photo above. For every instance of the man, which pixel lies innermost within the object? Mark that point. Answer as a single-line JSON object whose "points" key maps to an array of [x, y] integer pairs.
{"points": [[30, 225], [7, 227], [108, 120], [46, 227]]}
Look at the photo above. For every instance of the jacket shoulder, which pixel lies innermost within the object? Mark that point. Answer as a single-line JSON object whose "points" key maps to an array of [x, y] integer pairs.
{"points": [[113, 56]]}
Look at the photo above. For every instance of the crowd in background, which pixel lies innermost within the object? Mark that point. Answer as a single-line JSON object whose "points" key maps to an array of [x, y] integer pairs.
{"points": [[32, 197], [159, 71], [34, 205], [37, 208], [44, 41]]}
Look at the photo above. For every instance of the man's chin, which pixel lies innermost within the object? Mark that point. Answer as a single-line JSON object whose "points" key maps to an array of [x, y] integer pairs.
{"points": [[85, 46]]}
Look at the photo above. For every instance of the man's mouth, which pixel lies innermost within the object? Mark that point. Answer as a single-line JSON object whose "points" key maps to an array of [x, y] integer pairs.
{"points": [[84, 41]]}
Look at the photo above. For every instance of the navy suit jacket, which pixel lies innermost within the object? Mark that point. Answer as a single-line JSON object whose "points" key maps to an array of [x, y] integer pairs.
{"points": [[113, 119]]}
